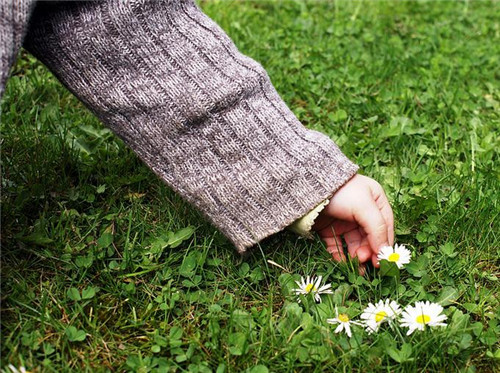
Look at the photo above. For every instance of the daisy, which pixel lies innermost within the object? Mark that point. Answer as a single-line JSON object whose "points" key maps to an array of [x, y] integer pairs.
{"points": [[344, 323], [422, 314], [376, 314], [399, 255], [311, 285], [15, 370]]}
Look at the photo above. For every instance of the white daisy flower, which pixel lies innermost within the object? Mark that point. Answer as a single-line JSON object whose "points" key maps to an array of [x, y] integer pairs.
{"points": [[344, 323], [376, 314], [311, 285], [15, 370], [422, 314], [399, 255]]}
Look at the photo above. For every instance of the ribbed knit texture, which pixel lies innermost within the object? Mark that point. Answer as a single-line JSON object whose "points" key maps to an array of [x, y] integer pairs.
{"points": [[14, 15], [204, 117]]}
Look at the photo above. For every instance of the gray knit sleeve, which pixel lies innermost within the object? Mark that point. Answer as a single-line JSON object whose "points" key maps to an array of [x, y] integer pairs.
{"points": [[205, 118], [14, 17]]}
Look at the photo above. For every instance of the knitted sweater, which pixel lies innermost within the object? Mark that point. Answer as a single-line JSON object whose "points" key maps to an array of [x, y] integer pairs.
{"points": [[205, 118]]}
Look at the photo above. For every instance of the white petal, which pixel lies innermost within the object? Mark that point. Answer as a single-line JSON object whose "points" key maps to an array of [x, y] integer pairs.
{"points": [[384, 253], [318, 282], [307, 281], [371, 327], [348, 329], [339, 328], [411, 330], [325, 289]]}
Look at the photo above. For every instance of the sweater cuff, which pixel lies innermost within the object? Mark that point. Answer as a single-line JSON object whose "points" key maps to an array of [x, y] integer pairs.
{"points": [[304, 225]]}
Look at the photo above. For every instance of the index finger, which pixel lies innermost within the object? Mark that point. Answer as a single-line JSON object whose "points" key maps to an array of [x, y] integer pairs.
{"points": [[374, 224]]}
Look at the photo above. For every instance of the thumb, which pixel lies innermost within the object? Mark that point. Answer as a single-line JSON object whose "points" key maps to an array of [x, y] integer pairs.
{"points": [[370, 218]]}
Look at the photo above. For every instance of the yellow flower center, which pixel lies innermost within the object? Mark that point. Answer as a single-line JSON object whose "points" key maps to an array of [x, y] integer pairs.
{"points": [[423, 319], [394, 257], [309, 288], [379, 316], [343, 317]]}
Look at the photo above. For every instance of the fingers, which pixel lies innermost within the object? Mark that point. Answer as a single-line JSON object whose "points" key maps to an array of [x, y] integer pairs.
{"points": [[334, 247], [360, 211], [331, 236], [372, 221], [337, 253], [358, 245], [386, 210], [356, 240]]}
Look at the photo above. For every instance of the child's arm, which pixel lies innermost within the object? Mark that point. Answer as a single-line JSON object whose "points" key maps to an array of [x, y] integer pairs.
{"points": [[205, 118]]}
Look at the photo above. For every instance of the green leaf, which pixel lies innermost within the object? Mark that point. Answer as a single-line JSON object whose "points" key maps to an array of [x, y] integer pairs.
{"points": [[465, 341], [340, 115], [175, 333], [257, 275], [287, 283], [36, 238], [493, 355], [73, 294], [448, 249], [459, 320], [175, 239], [402, 355], [489, 337], [188, 266], [75, 335], [221, 368], [341, 292], [155, 349], [129, 287], [447, 296], [89, 292], [406, 351], [394, 354], [180, 358], [242, 320], [105, 240], [477, 328], [258, 369], [244, 269], [101, 188], [195, 281], [388, 269], [237, 344], [84, 261], [158, 245]]}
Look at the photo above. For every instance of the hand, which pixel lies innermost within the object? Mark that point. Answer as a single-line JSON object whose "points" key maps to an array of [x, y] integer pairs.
{"points": [[360, 213]]}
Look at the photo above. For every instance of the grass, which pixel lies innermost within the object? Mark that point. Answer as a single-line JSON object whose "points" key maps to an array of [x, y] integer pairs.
{"points": [[106, 269]]}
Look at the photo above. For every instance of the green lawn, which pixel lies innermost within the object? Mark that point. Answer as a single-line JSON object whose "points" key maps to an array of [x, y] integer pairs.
{"points": [[410, 91]]}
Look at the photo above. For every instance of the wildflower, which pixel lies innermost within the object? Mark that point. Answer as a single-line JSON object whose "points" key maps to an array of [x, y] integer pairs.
{"points": [[416, 317], [312, 286], [15, 370], [344, 322], [399, 255], [376, 314]]}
